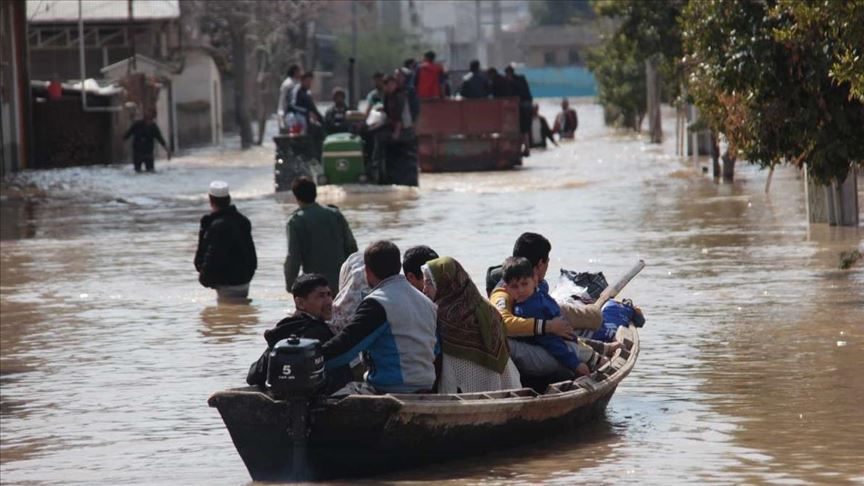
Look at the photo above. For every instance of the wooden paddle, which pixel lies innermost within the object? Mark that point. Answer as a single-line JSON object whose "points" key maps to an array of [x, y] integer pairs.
{"points": [[613, 290]]}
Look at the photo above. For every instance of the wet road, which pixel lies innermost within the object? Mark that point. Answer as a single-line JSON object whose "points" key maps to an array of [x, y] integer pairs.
{"points": [[752, 354]]}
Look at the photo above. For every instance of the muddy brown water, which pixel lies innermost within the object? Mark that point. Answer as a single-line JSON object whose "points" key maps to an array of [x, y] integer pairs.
{"points": [[751, 366]]}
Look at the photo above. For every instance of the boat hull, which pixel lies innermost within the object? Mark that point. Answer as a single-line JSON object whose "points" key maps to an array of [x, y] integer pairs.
{"points": [[363, 435]]}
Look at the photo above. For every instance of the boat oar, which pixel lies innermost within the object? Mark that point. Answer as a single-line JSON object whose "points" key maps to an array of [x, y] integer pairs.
{"points": [[613, 290]]}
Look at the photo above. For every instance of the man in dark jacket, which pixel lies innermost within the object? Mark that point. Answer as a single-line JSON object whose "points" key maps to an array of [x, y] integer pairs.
{"points": [[144, 132], [225, 259], [313, 302], [540, 130], [319, 238], [395, 145], [335, 117], [475, 84], [523, 91], [501, 87]]}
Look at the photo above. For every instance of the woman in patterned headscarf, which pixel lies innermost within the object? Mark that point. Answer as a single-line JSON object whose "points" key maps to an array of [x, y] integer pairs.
{"points": [[473, 339]]}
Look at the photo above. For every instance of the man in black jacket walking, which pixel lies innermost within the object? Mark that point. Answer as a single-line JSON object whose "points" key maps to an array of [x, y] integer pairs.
{"points": [[144, 132], [225, 259]]}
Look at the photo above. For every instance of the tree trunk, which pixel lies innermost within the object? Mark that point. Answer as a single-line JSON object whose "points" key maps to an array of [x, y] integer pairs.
{"points": [[715, 154], [238, 70], [835, 204], [728, 167], [652, 84]]}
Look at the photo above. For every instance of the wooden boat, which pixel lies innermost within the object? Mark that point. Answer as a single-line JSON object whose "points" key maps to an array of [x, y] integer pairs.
{"points": [[360, 435]]}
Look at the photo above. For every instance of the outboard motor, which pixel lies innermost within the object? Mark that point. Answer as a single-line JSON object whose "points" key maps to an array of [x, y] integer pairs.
{"points": [[295, 372], [295, 368]]}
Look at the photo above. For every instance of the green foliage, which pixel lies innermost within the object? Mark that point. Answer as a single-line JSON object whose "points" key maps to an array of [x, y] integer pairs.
{"points": [[620, 82], [644, 29], [380, 50], [762, 75], [560, 12], [841, 23]]}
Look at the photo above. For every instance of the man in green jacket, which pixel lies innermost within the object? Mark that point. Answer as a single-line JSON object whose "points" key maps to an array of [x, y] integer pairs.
{"points": [[319, 238]]}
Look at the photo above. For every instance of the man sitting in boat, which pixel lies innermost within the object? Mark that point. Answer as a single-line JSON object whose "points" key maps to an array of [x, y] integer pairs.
{"points": [[394, 327], [352, 289], [520, 284], [313, 302], [416, 257], [531, 359]]}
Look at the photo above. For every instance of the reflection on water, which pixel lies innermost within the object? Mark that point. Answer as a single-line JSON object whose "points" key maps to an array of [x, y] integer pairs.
{"points": [[750, 371]]}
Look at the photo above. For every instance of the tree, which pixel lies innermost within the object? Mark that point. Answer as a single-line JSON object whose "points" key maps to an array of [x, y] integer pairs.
{"points": [[843, 24], [767, 77], [378, 50], [560, 12], [646, 33], [620, 82], [272, 34]]}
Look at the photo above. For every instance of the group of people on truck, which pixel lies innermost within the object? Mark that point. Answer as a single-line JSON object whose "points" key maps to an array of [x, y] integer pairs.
{"points": [[479, 84], [389, 140]]}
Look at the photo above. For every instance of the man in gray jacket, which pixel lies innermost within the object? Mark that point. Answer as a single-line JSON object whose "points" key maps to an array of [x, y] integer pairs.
{"points": [[394, 327]]}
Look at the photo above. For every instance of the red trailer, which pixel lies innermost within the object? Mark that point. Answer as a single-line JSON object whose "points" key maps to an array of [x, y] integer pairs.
{"points": [[469, 135]]}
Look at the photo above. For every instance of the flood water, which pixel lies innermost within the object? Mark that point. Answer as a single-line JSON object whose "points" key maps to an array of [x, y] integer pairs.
{"points": [[751, 362]]}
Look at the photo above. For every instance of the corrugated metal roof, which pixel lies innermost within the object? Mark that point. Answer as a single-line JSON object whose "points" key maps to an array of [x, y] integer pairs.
{"points": [[51, 11]]}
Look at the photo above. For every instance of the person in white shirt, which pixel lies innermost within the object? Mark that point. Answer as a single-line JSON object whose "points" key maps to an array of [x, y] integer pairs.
{"points": [[285, 90]]}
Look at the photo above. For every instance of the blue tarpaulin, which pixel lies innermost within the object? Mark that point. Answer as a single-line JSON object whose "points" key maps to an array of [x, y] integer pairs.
{"points": [[553, 82]]}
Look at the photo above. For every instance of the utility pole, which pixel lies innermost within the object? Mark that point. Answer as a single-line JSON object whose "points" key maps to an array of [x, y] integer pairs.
{"points": [[496, 39], [130, 32], [353, 87], [479, 40]]}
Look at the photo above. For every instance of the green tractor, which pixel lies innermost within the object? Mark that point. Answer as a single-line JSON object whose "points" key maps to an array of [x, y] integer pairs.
{"points": [[340, 160]]}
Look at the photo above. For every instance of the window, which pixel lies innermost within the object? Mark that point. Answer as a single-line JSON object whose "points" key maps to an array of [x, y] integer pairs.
{"points": [[573, 57], [549, 58]]}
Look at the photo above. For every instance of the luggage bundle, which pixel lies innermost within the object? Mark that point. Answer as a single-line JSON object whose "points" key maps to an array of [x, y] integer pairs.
{"points": [[580, 288]]}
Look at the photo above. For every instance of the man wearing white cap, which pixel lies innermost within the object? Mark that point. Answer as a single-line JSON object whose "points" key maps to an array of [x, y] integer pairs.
{"points": [[225, 259]]}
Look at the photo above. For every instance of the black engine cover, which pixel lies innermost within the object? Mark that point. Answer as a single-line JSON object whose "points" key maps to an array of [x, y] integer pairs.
{"points": [[295, 368]]}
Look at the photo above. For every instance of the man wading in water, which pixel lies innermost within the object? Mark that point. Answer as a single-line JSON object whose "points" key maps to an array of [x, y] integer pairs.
{"points": [[143, 133], [319, 238], [225, 259]]}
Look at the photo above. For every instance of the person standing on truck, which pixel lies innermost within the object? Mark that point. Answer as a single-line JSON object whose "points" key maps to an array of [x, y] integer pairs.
{"points": [[376, 95], [500, 86], [319, 238], [475, 84], [430, 78], [335, 120], [302, 103], [395, 150], [285, 90], [143, 133], [521, 89]]}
